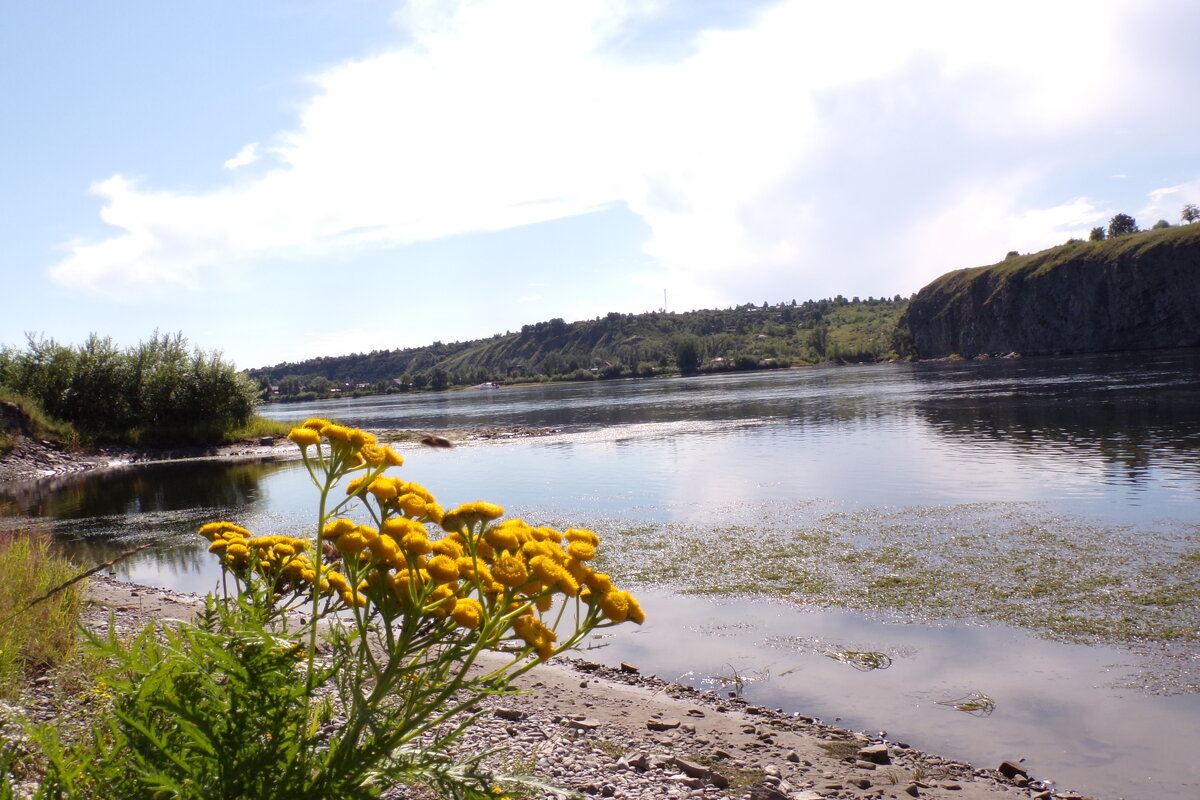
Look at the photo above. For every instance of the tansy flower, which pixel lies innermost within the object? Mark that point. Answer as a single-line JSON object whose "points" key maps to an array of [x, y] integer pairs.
{"points": [[383, 488], [442, 569], [315, 423], [468, 612], [580, 535], [448, 546], [305, 437], [509, 570], [336, 528], [582, 551], [416, 543]]}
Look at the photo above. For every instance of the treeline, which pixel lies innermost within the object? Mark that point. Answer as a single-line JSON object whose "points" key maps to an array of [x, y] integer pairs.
{"points": [[160, 390], [614, 346]]}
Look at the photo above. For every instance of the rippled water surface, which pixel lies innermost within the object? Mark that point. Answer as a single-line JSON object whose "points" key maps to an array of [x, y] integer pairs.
{"points": [[1059, 464]]}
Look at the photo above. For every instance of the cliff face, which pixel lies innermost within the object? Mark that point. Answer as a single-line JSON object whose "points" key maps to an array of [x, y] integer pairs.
{"points": [[1136, 292]]}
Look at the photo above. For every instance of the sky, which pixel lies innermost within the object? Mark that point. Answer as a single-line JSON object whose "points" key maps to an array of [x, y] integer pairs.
{"points": [[286, 179]]}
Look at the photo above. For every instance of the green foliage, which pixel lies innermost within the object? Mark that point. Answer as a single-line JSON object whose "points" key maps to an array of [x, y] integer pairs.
{"points": [[38, 638], [159, 390], [1162, 223], [687, 355], [618, 346], [1190, 213], [1097, 235], [1121, 225]]}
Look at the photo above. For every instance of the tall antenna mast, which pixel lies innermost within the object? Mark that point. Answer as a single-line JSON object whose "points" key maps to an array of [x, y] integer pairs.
{"points": [[664, 301]]}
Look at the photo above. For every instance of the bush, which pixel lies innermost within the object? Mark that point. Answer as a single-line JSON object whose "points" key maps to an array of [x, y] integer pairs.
{"points": [[160, 389], [367, 692]]}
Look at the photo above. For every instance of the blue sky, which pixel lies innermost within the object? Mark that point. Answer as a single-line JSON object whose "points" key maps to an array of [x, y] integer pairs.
{"points": [[293, 178]]}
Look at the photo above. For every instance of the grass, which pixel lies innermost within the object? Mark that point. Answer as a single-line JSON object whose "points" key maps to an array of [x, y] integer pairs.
{"points": [[257, 428], [34, 640], [23, 412]]}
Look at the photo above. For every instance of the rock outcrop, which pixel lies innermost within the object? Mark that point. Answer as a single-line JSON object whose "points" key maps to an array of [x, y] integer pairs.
{"points": [[1136, 292]]}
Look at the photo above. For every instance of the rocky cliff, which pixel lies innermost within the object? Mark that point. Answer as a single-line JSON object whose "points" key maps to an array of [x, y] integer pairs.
{"points": [[1135, 292]]}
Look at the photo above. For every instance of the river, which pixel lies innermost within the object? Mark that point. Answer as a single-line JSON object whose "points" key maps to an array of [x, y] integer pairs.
{"points": [[1022, 532]]}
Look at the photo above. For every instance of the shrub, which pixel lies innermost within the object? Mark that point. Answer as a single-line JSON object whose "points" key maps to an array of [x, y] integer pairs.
{"points": [[369, 690]]}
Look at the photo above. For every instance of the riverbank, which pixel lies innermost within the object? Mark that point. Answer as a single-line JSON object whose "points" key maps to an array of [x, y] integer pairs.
{"points": [[30, 459], [614, 732]]}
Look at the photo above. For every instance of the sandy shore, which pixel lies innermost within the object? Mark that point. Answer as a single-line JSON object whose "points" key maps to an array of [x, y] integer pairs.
{"points": [[606, 732]]}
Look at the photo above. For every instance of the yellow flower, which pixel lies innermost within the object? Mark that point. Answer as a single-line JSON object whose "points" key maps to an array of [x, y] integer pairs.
{"points": [[580, 535], [336, 528], [442, 569], [383, 488], [392, 458], [416, 543], [349, 543], [316, 423], [305, 437], [399, 527], [411, 504], [219, 529], [502, 538], [448, 546], [386, 550], [582, 551], [636, 615], [510, 570], [468, 612], [615, 605]]}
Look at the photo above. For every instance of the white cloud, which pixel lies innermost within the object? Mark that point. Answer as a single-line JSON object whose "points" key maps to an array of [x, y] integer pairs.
{"points": [[501, 114], [247, 155], [1168, 202], [533, 298]]}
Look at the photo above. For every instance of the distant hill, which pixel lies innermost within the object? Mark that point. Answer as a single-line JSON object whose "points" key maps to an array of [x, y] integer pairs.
{"points": [[1133, 292], [616, 345]]}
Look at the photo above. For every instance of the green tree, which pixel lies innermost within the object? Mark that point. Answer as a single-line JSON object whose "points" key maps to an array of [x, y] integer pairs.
{"points": [[1097, 235], [1190, 213], [687, 355], [1162, 223], [1121, 225]]}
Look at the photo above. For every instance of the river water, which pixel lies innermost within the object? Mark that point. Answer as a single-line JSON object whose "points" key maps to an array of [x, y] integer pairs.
{"points": [[1020, 484]]}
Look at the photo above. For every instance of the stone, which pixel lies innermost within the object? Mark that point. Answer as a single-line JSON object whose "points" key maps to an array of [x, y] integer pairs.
{"points": [[662, 724], [764, 792], [861, 783], [913, 790], [875, 753], [510, 714], [793, 756], [585, 724], [1011, 769], [630, 668]]}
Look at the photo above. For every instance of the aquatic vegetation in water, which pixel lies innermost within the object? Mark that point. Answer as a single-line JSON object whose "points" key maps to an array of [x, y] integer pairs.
{"points": [[1061, 578], [977, 704], [864, 661]]}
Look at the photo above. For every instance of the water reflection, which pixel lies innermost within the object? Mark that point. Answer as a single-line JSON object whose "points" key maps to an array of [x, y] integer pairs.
{"points": [[135, 489]]}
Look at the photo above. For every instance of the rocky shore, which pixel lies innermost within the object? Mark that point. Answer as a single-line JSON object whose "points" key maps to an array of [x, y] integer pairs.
{"points": [[607, 732]]}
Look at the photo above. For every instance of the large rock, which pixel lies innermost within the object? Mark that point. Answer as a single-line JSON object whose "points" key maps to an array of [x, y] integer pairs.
{"points": [[1136, 292]]}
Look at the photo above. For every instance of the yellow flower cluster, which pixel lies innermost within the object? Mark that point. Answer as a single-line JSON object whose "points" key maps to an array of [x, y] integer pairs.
{"points": [[361, 447], [480, 573], [280, 560]]}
